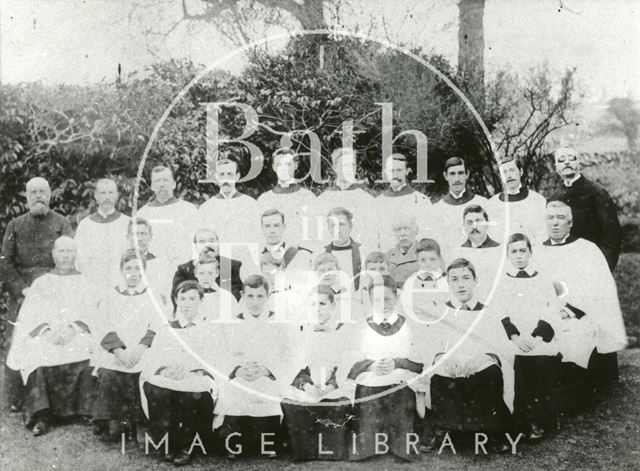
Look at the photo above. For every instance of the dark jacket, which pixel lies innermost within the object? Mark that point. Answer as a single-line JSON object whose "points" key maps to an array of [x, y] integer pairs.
{"points": [[595, 216], [186, 271]]}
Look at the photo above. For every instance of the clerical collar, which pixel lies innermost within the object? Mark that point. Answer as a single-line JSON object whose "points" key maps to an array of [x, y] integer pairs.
{"points": [[155, 203], [347, 246], [122, 288], [526, 272], [486, 244], [459, 196], [567, 240], [518, 190], [57, 271], [559, 242], [403, 190], [471, 305], [522, 194], [461, 199], [347, 187], [100, 217], [569, 183], [291, 188]]}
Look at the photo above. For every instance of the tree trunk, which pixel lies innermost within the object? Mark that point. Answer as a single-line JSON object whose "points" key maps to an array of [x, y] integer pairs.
{"points": [[471, 48]]}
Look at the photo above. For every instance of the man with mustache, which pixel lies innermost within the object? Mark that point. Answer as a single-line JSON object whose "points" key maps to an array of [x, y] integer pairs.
{"points": [[100, 237], [594, 212], [448, 211], [173, 219], [26, 254], [401, 200], [526, 207]]}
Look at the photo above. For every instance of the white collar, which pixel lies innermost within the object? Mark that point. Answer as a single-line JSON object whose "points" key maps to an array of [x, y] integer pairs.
{"points": [[278, 248], [399, 188], [122, 286], [184, 322], [568, 183], [231, 195], [459, 196], [564, 239], [472, 303], [509, 192], [104, 215], [513, 271]]}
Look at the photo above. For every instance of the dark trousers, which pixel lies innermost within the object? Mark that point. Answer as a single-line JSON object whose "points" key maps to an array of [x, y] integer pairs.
{"points": [[253, 432], [536, 383]]}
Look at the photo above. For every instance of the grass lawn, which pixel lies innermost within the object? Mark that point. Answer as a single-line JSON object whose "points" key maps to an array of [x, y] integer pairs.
{"points": [[627, 275], [607, 436]]}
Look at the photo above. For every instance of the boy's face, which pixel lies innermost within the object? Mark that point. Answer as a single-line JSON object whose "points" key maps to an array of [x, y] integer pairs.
{"points": [[273, 228], [428, 261], [327, 273], [383, 297], [206, 274], [519, 254], [188, 303], [461, 283], [321, 306], [380, 266], [131, 273], [143, 237], [255, 299], [206, 239]]}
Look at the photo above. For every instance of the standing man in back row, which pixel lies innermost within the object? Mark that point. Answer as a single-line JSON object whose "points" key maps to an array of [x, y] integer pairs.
{"points": [[26, 254], [595, 217]]}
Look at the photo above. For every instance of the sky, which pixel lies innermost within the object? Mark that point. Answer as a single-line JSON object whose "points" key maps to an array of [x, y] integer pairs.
{"points": [[82, 42]]}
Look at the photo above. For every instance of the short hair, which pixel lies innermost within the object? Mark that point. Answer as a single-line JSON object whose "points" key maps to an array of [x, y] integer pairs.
{"points": [[100, 181], [340, 211], [267, 257], [397, 158], [339, 152], [561, 205], [428, 245], [325, 257], [462, 263], [376, 257], [160, 169], [454, 162], [189, 285], [518, 237], [387, 282], [510, 158], [131, 254], [326, 290], [227, 160], [403, 220], [255, 281], [206, 257], [475, 208], [284, 151], [200, 230], [138, 221], [272, 212]]}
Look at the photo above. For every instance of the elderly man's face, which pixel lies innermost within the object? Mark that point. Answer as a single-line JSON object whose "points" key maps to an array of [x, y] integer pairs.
{"points": [[162, 185], [64, 254], [558, 223], [475, 226], [206, 240], [285, 167], [38, 197], [106, 196], [519, 254], [567, 162], [405, 234], [510, 175]]}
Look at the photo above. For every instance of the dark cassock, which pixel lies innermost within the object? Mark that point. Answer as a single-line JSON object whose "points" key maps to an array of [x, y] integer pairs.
{"points": [[174, 223], [591, 294], [130, 320], [177, 388], [471, 386], [402, 263], [350, 259], [595, 216], [527, 213], [402, 203], [100, 240], [528, 308], [255, 371], [385, 401], [447, 219], [228, 277], [318, 404], [53, 341]]}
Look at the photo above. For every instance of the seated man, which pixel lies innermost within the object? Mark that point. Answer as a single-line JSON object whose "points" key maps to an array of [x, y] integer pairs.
{"points": [[228, 269], [589, 288], [53, 341], [129, 324], [323, 359], [402, 258], [387, 360], [255, 368], [177, 390], [468, 392]]}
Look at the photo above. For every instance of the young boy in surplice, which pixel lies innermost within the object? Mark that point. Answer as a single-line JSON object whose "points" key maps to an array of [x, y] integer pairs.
{"points": [[387, 362], [256, 367], [530, 313], [177, 390], [318, 405]]}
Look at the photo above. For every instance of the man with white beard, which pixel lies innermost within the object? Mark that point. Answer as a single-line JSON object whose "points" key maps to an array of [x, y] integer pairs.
{"points": [[173, 219], [26, 255], [100, 237], [589, 289]]}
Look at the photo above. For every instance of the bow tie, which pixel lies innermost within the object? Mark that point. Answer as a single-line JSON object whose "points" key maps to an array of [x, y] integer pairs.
{"points": [[522, 274]]}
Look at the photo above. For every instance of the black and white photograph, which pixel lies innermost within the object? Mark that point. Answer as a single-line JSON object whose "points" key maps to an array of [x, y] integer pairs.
{"points": [[320, 234]]}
